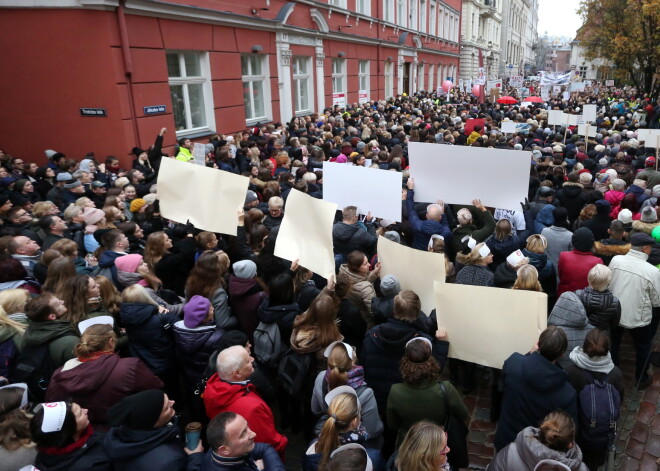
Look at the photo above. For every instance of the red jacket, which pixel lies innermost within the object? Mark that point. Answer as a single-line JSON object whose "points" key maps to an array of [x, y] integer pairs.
{"points": [[221, 396], [573, 269]]}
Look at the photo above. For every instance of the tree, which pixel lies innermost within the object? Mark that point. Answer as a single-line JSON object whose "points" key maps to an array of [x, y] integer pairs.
{"points": [[625, 33]]}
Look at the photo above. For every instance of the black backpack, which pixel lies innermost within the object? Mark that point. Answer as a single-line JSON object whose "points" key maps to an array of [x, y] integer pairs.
{"points": [[35, 367], [599, 407], [294, 373]]}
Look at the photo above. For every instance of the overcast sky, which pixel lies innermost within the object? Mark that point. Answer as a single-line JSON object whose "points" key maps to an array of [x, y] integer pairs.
{"points": [[558, 18]]}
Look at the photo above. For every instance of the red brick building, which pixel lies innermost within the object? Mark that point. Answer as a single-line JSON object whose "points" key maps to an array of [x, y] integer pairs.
{"points": [[106, 75]]}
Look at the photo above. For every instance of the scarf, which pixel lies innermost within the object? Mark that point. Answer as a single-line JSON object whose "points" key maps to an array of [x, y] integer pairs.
{"points": [[94, 356], [359, 435], [355, 377], [596, 364], [233, 461], [82, 441]]}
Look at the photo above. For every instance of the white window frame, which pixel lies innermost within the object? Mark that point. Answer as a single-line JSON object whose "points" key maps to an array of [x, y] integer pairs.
{"points": [[433, 17], [388, 11], [420, 77], [207, 89], [308, 76], [339, 76], [389, 79], [402, 13], [363, 7], [422, 16], [455, 39], [431, 77], [338, 3], [265, 78], [414, 14], [364, 67]]}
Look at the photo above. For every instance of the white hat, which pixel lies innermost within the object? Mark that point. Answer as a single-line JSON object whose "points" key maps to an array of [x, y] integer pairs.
{"points": [[515, 258], [99, 320], [484, 251], [339, 390], [328, 350], [625, 216]]}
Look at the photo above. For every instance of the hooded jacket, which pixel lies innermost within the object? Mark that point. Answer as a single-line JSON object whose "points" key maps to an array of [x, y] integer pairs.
{"points": [[107, 260], [570, 315], [158, 449], [362, 292], [600, 223], [602, 307], [573, 199], [283, 315], [533, 387], [382, 350], [98, 384], [59, 335], [149, 335], [221, 396], [246, 296], [349, 237], [527, 451], [91, 456], [195, 347], [501, 249], [423, 230]]}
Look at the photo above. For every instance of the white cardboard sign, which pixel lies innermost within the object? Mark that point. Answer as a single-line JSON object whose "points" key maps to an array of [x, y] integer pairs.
{"points": [[370, 189], [459, 174], [649, 136], [556, 118]]}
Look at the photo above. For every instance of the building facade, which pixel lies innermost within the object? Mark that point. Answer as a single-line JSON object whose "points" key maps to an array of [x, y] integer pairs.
{"points": [[558, 58], [107, 75], [516, 36], [480, 38], [596, 69]]}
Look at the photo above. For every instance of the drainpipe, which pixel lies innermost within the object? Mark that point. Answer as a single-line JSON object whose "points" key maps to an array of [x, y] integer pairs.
{"points": [[128, 67]]}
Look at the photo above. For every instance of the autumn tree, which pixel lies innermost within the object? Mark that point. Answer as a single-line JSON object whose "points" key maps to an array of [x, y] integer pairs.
{"points": [[626, 34]]}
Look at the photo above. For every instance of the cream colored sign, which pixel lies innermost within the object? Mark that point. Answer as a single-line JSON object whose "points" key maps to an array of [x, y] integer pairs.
{"points": [[415, 269], [207, 197], [486, 325], [306, 233]]}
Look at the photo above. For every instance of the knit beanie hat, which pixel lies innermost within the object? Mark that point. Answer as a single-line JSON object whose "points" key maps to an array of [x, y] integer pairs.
{"points": [[137, 204], [625, 216], [390, 286], [649, 214], [245, 269], [583, 239], [195, 311], [393, 236], [128, 263], [92, 216], [139, 411]]}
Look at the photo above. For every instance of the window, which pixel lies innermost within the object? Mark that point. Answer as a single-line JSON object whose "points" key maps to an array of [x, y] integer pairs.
{"points": [[389, 79], [455, 30], [363, 81], [388, 10], [413, 14], [420, 77], [422, 16], [190, 89], [431, 70], [302, 84], [401, 12], [433, 20], [583, 71], [363, 6], [339, 81], [256, 88], [337, 3]]}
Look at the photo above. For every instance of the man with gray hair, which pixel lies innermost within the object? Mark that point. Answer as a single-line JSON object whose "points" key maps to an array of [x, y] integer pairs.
{"points": [[436, 221], [230, 390], [637, 285]]}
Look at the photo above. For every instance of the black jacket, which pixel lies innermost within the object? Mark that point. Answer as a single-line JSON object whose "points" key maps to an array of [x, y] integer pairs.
{"points": [[91, 457], [573, 199], [150, 335], [284, 315], [194, 348], [382, 350], [533, 387], [158, 449], [261, 451], [173, 269], [603, 309], [349, 237]]}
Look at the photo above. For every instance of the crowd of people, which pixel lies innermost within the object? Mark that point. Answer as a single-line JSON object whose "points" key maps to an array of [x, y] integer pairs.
{"points": [[132, 342]]}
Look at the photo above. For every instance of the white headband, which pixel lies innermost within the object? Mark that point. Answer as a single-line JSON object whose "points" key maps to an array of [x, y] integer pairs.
{"points": [[328, 350], [350, 446], [433, 238], [99, 320], [423, 339], [54, 415], [471, 243], [24, 387], [484, 251]]}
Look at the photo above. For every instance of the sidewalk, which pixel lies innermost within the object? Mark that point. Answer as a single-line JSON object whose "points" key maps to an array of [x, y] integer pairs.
{"points": [[638, 440]]}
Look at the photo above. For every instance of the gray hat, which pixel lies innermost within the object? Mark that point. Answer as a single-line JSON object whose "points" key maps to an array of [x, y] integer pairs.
{"points": [[649, 215], [640, 239], [389, 286], [360, 146], [251, 197], [393, 236], [97, 184], [63, 177], [50, 153], [546, 191], [245, 269], [655, 191], [73, 184]]}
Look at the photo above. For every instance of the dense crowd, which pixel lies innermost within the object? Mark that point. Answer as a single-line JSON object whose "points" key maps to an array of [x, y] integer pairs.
{"points": [[132, 342]]}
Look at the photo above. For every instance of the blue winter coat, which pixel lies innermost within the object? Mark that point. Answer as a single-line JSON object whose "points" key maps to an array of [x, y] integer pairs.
{"points": [[149, 335], [195, 347], [533, 387], [158, 449], [423, 230], [544, 218], [501, 249]]}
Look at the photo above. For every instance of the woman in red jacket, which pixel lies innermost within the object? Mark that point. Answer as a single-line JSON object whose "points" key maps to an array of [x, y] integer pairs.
{"points": [[98, 378]]}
